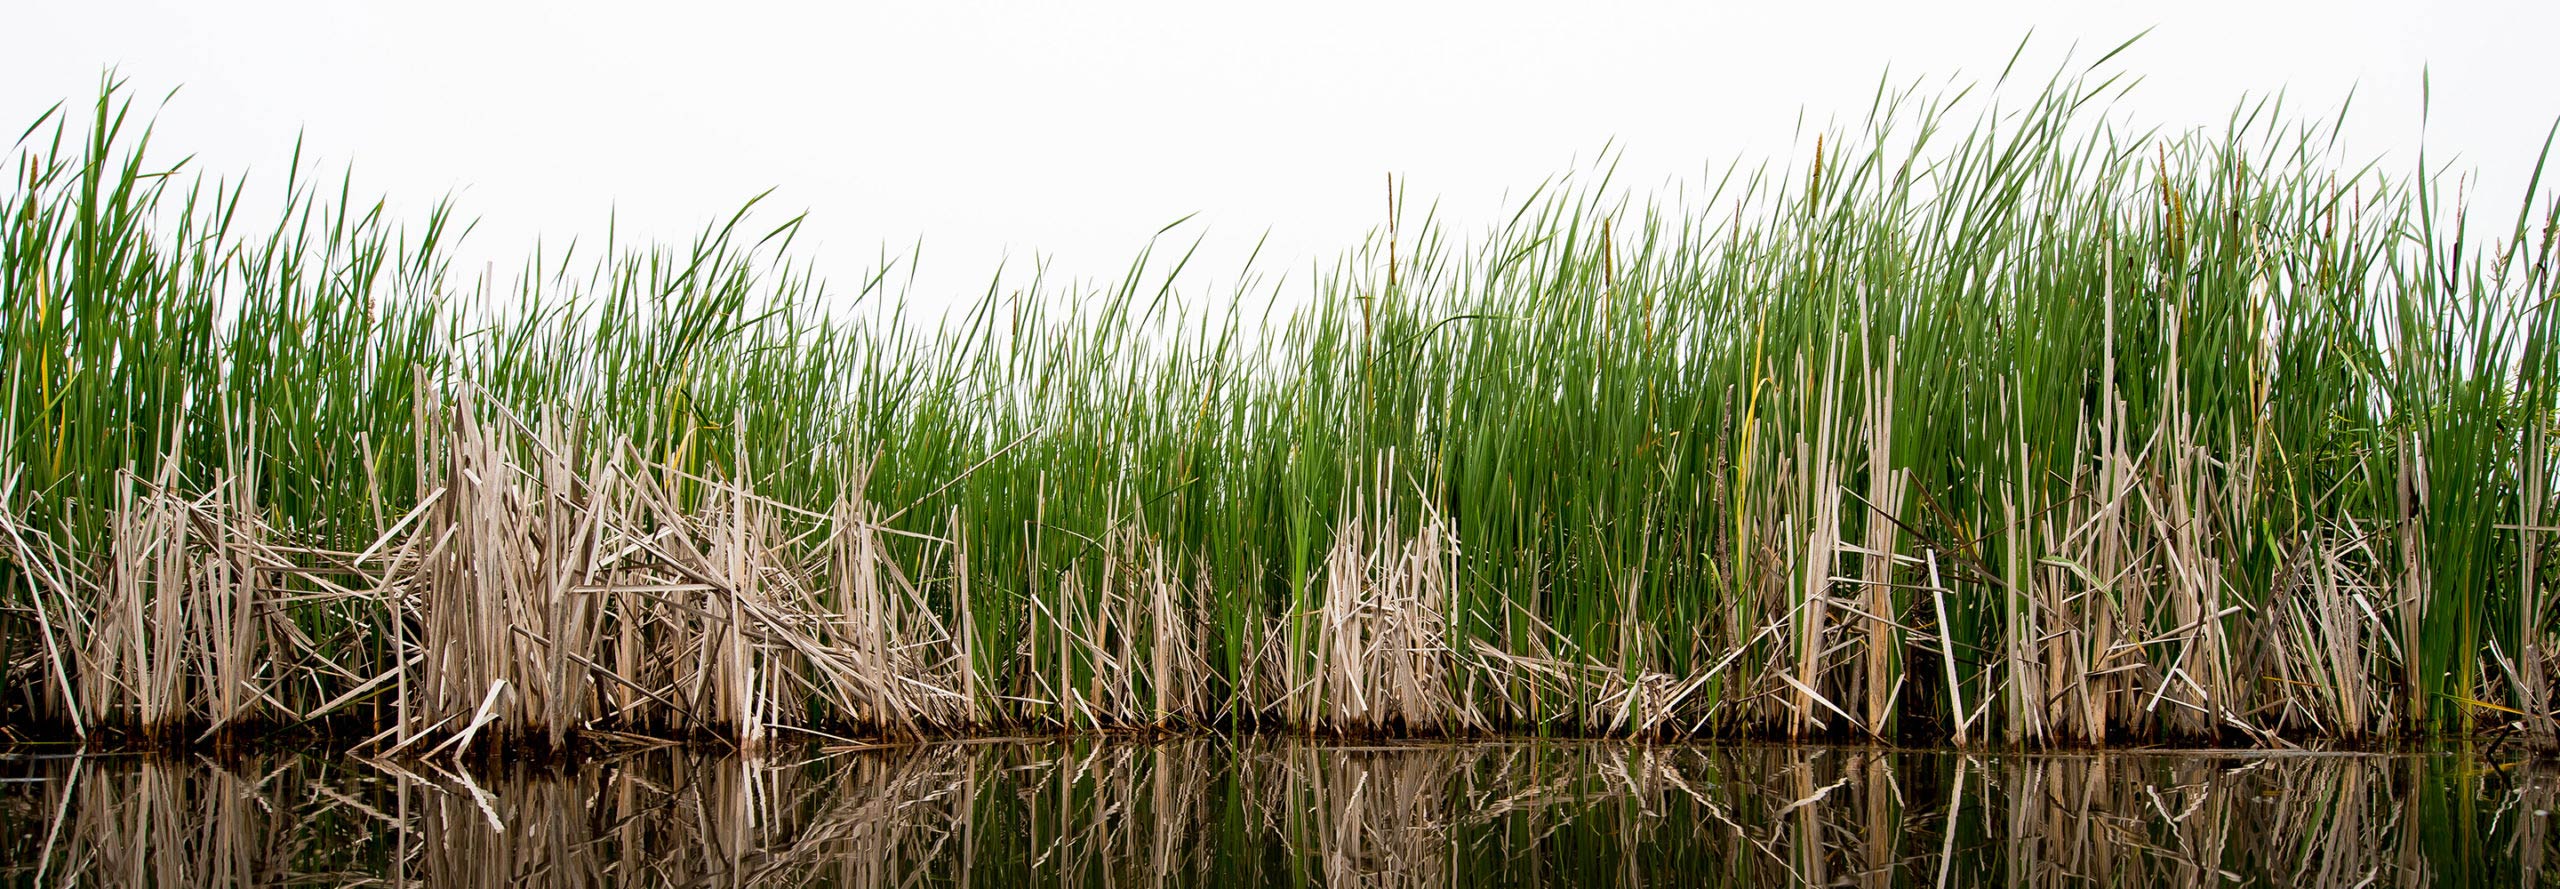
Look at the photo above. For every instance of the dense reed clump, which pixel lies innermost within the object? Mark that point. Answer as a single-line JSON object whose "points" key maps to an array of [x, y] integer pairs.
{"points": [[2033, 429]]}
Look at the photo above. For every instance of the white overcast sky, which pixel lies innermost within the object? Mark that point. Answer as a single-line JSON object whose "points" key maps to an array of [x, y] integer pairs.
{"points": [[1075, 131]]}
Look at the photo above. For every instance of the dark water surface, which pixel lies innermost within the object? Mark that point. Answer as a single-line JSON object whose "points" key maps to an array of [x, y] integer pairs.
{"points": [[1266, 812]]}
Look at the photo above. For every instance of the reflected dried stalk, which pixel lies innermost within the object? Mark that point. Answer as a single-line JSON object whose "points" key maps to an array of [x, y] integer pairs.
{"points": [[1201, 812]]}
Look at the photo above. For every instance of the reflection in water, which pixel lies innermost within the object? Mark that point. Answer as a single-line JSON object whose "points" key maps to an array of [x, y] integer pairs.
{"points": [[1287, 813]]}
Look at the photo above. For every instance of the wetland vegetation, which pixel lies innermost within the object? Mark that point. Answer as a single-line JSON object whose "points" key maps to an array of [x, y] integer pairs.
{"points": [[1992, 418]]}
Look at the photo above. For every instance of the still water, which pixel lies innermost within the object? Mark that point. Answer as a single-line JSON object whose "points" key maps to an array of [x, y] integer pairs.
{"points": [[1265, 812]]}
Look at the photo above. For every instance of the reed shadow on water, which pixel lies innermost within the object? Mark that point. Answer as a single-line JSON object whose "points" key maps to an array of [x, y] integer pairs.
{"points": [[1283, 812]]}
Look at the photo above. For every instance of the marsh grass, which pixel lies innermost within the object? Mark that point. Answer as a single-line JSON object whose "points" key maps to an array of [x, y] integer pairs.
{"points": [[1996, 420]]}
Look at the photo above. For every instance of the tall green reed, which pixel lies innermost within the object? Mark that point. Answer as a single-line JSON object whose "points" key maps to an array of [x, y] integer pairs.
{"points": [[1994, 419]]}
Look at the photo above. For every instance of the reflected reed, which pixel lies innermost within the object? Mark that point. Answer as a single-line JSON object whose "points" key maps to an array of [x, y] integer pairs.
{"points": [[1263, 811]]}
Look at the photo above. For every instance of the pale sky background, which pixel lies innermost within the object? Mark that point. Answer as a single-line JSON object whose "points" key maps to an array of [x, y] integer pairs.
{"points": [[1075, 131]]}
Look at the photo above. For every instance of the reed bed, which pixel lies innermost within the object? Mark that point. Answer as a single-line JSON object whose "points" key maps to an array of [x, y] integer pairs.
{"points": [[1287, 812], [1991, 419]]}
